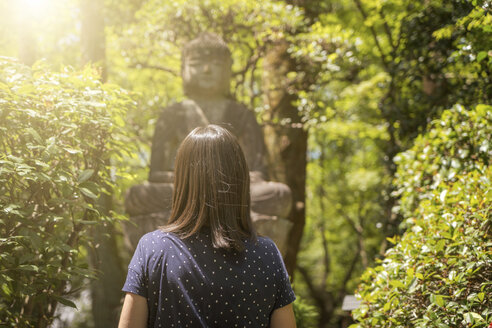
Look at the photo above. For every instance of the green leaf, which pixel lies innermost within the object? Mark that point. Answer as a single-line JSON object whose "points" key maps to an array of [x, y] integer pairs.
{"points": [[65, 301], [28, 267], [440, 245], [391, 239], [472, 317], [88, 193], [35, 134], [413, 285], [87, 222], [397, 284], [437, 299], [85, 175], [72, 150], [481, 56], [6, 289]]}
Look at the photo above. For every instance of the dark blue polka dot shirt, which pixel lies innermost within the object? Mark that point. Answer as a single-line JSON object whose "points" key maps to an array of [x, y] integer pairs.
{"points": [[188, 283]]}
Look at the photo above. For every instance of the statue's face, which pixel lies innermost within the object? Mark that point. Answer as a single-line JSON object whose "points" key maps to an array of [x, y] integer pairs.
{"points": [[206, 74]]}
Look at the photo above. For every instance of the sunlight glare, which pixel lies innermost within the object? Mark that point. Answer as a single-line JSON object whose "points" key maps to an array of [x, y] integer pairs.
{"points": [[33, 9]]}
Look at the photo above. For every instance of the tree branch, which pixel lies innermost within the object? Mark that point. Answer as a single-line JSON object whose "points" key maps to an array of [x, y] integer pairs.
{"points": [[156, 67], [374, 34], [326, 255], [317, 294], [387, 29], [347, 277]]}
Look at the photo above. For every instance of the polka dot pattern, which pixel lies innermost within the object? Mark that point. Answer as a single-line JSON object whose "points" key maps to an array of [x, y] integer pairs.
{"points": [[188, 283]]}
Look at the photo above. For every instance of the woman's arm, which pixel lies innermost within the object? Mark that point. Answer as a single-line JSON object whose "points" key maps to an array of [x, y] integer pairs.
{"points": [[134, 313], [283, 318]]}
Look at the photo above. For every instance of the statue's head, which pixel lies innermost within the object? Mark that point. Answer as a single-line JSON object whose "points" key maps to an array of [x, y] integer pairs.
{"points": [[206, 67]]}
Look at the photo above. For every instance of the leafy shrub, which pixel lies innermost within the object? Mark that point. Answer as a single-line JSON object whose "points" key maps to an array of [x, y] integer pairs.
{"points": [[57, 133], [458, 143], [439, 272]]}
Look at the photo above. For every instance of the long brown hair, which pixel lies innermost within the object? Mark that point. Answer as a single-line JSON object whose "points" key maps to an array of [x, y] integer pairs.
{"points": [[211, 188]]}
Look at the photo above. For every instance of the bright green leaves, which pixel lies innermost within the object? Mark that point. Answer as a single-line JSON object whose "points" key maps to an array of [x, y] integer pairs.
{"points": [[459, 142], [439, 300], [56, 138], [481, 56], [440, 269], [474, 319]]}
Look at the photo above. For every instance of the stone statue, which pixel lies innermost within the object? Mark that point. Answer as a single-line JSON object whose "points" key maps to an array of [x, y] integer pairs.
{"points": [[206, 73]]}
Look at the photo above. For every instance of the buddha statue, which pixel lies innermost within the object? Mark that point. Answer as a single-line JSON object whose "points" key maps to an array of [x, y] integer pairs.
{"points": [[206, 74]]}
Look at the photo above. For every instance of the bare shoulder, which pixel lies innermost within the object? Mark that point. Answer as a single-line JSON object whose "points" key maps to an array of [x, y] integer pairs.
{"points": [[283, 317]]}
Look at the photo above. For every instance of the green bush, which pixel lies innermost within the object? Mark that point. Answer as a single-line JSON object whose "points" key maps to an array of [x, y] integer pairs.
{"points": [[439, 273], [57, 134], [458, 143]]}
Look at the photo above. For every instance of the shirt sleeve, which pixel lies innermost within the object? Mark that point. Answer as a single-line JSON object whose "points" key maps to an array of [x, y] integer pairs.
{"points": [[285, 294], [136, 279]]}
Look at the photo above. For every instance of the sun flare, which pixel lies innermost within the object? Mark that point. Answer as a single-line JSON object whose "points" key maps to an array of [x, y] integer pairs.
{"points": [[33, 9]]}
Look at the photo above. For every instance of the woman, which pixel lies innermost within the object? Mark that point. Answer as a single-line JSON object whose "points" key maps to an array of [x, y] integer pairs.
{"points": [[207, 267]]}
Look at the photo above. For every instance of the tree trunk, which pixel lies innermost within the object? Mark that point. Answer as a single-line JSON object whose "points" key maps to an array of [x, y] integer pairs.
{"points": [[92, 34], [104, 256], [286, 143], [106, 290]]}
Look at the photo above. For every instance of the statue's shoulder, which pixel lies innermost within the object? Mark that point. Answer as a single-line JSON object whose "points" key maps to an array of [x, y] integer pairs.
{"points": [[189, 105], [170, 109], [172, 106], [239, 110], [183, 115], [236, 105]]}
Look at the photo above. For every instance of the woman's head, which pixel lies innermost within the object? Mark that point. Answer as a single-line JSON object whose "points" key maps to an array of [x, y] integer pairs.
{"points": [[211, 188]]}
